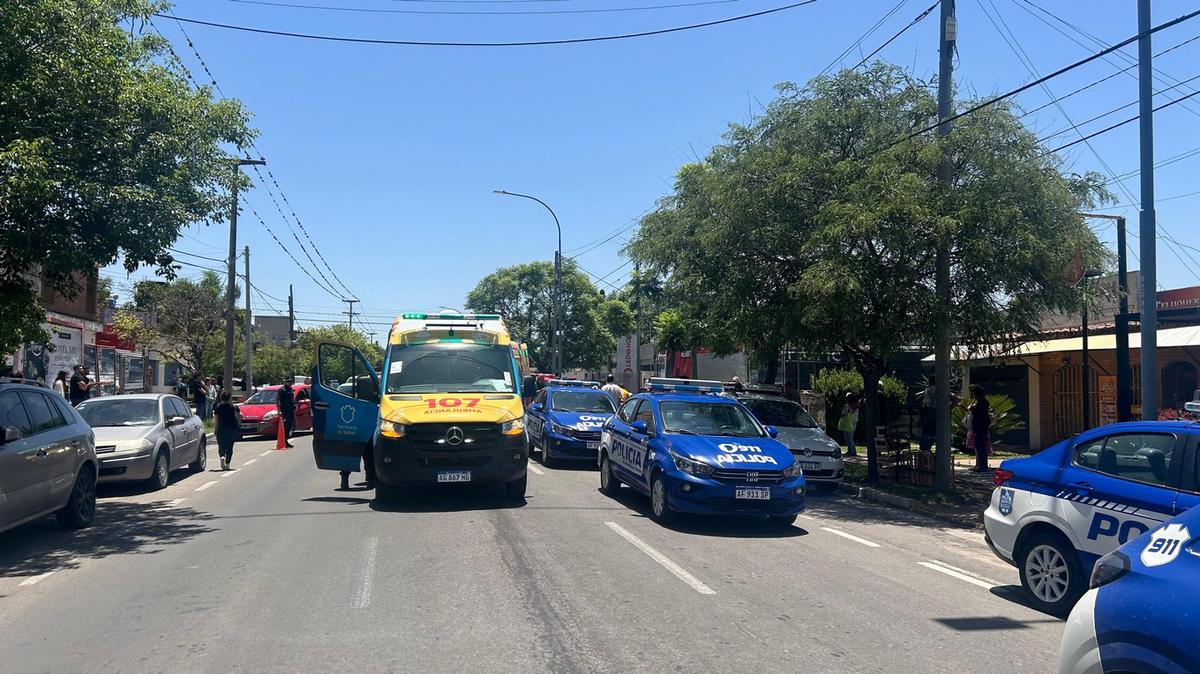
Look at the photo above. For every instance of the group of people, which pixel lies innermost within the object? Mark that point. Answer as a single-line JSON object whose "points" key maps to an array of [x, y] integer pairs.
{"points": [[203, 391], [76, 389]]}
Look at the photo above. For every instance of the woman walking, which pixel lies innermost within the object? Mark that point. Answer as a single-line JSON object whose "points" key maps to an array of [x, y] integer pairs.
{"points": [[849, 422], [60, 384], [228, 418], [979, 428]]}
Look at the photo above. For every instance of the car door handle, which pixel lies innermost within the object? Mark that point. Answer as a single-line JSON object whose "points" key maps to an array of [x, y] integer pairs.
{"points": [[321, 406], [1082, 488], [42, 452]]}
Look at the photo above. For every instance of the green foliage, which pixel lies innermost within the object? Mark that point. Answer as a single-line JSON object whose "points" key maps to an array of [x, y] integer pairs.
{"points": [[617, 317], [183, 320], [834, 384], [1004, 419], [105, 149], [523, 293], [307, 340], [274, 364]]}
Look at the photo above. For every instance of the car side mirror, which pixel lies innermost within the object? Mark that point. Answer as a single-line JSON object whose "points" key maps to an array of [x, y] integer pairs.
{"points": [[175, 421], [639, 426], [772, 431], [536, 407], [9, 434]]}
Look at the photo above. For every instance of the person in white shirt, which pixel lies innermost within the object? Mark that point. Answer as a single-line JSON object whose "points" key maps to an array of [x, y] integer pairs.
{"points": [[612, 390], [60, 384]]}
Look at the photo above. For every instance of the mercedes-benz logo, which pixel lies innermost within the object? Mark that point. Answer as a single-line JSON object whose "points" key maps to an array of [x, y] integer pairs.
{"points": [[454, 435], [752, 476]]}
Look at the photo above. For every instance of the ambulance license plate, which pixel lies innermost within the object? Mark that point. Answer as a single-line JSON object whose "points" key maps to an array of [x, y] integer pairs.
{"points": [[454, 476], [593, 445], [752, 493], [810, 465]]}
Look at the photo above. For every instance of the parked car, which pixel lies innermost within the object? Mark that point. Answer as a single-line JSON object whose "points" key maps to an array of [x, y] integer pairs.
{"points": [[47, 458], [819, 455], [261, 417], [144, 437]]}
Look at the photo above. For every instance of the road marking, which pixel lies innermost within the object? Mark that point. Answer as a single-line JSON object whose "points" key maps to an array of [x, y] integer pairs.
{"points": [[266, 452], [659, 557], [535, 470], [173, 503], [961, 574], [851, 537], [806, 517], [231, 471], [249, 462], [34, 580], [206, 485], [362, 598]]}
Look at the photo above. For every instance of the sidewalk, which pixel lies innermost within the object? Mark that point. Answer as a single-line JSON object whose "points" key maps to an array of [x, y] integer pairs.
{"points": [[963, 505]]}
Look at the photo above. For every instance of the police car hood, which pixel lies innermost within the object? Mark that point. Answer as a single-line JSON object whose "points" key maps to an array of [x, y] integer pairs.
{"points": [[724, 451], [797, 437], [580, 421]]}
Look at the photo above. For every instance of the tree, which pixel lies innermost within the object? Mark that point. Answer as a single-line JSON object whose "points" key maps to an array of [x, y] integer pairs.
{"points": [[815, 225], [105, 149], [306, 343], [274, 364], [616, 317], [522, 294], [181, 320]]}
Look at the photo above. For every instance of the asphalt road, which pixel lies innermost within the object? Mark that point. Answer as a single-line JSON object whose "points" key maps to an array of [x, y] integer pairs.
{"points": [[270, 568]]}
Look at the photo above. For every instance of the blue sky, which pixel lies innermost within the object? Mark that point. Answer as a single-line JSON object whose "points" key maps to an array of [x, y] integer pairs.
{"points": [[389, 154]]}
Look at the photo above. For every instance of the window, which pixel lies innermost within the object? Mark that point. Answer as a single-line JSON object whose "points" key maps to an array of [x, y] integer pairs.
{"points": [[583, 401], [177, 408], [1141, 457], [12, 413], [42, 417], [626, 413], [780, 413], [646, 413], [540, 398], [706, 418], [449, 368], [118, 411], [64, 410]]}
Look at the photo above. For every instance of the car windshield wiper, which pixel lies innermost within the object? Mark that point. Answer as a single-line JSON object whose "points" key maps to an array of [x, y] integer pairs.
{"points": [[683, 431]]}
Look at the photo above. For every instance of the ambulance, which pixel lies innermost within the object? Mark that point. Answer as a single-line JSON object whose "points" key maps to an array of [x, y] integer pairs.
{"points": [[445, 409]]}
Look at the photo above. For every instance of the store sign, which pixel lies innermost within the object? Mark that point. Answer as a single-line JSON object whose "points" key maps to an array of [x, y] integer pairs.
{"points": [[1108, 399]]}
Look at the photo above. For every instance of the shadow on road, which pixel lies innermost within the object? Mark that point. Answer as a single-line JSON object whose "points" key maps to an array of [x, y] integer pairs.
{"points": [[865, 512], [989, 623], [122, 489], [447, 498], [726, 526], [348, 500], [120, 528], [1017, 595]]}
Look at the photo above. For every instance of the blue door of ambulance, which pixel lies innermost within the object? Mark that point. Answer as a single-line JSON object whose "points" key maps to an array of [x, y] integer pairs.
{"points": [[345, 393]]}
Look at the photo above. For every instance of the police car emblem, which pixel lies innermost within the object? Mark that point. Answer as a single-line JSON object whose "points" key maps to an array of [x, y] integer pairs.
{"points": [[1165, 545], [1006, 501], [807, 452]]}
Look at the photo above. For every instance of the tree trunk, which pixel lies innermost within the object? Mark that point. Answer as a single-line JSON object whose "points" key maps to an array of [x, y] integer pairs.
{"points": [[871, 376], [772, 367]]}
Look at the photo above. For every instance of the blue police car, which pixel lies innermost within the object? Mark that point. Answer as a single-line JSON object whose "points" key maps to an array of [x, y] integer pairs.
{"points": [[1054, 514], [565, 418], [693, 450], [1143, 611]]}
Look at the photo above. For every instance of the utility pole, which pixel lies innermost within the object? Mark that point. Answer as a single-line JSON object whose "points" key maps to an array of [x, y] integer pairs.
{"points": [[249, 380], [231, 287], [291, 318], [944, 462], [351, 312], [1124, 386], [1146, 219]]}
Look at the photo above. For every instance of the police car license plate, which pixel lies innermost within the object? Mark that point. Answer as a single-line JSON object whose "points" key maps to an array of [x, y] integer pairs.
{"points": [[810, 465], [454, 476], [752, 493], [593, 445]]}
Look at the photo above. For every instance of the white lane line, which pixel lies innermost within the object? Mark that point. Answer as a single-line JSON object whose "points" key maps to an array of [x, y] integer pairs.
{"points": [[249, 462], [961, 574], [362, 597], [266, 452], [851, 537], [34, 580], [659, 557], [535, 470], [807, 517], [175, 502], [206, 485]]}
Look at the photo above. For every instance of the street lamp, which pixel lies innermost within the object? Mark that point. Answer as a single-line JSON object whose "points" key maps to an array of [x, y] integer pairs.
{"points": [[1087, 368], [556, 323]]}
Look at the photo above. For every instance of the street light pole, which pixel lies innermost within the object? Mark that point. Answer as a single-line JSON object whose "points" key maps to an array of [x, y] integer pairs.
{"points": [[1146, 223], [1124, 385], [1086, 370], [230, 287], [558, 312]]}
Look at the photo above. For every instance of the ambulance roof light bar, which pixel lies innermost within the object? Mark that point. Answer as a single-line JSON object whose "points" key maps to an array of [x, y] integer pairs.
{"points": [[417, 316], [665, 384], [573, 382]]}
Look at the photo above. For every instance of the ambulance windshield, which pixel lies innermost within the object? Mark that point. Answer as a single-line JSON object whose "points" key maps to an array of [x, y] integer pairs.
{"points": [[450, 367]]}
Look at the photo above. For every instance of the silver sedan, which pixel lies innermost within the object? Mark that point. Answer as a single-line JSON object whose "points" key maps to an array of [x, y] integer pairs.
{"points": [[143, 437]]}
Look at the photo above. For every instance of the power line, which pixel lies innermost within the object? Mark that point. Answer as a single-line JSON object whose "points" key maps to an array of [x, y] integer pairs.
{"points": [[870, 31], [299, 266], [920, 17], [202, 257], [521, 43], [1114, 110], [376, 10], [1123, 122]]}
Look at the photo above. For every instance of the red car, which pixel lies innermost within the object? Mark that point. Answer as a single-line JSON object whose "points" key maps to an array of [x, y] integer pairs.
{"points": [[260, 416]]}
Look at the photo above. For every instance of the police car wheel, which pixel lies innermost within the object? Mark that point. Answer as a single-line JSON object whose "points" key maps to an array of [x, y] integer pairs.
{"points": [[547, 460], [610, 485], [660, 508], [1051, 573]]}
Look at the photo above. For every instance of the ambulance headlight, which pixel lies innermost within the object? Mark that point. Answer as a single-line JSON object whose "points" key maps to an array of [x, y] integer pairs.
{"points": [[1110, 567], [391, 429], [697, 468], [514, 427], [793, 470]]}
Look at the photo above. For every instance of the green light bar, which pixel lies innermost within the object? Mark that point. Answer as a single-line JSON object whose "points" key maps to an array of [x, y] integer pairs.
{"points": [[414, 316]]}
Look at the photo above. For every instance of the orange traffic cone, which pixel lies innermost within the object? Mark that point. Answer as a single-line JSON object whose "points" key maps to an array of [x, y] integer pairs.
{"points": [[280, 437]]}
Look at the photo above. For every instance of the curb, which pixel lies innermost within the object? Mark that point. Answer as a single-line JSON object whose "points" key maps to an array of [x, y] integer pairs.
{"points": [[902, 502]]}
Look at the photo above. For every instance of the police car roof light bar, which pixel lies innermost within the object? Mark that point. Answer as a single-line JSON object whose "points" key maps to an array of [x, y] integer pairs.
{"points": [[666, 384], [573, 382]]}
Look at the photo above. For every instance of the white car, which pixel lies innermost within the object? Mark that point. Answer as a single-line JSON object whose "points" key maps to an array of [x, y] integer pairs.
{"points": [[818, 454], [144, 437]]}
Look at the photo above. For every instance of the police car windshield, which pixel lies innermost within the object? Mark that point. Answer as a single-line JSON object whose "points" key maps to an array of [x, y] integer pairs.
{"points": [[708, 419], [450, 368], [582, 401], [780, 413]]}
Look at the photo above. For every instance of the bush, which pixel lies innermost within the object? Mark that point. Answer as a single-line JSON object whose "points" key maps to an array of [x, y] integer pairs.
{"points": [[835, 384]]}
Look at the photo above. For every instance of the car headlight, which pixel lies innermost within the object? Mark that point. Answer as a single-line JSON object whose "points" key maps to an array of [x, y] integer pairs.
{"points": [[271, 415], [691, 467], [1109, 568], [139, 446], [793, 470], [391, 429], [515, 427]]}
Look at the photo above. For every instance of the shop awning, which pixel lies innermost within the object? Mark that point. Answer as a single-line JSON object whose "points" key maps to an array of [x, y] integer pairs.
{"points": [[1169, 337]]}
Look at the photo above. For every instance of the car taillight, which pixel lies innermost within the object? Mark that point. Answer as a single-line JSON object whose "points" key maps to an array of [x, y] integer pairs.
{"points": [[1001, 476]]}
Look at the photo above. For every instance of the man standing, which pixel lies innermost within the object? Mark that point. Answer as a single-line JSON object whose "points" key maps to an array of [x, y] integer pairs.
{"points": [[287, 410], [81, 386], [200, 396], [613, 391]]}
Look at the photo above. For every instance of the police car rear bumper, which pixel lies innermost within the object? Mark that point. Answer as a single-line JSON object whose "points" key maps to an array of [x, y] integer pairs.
{"points": [[701, 496]]}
